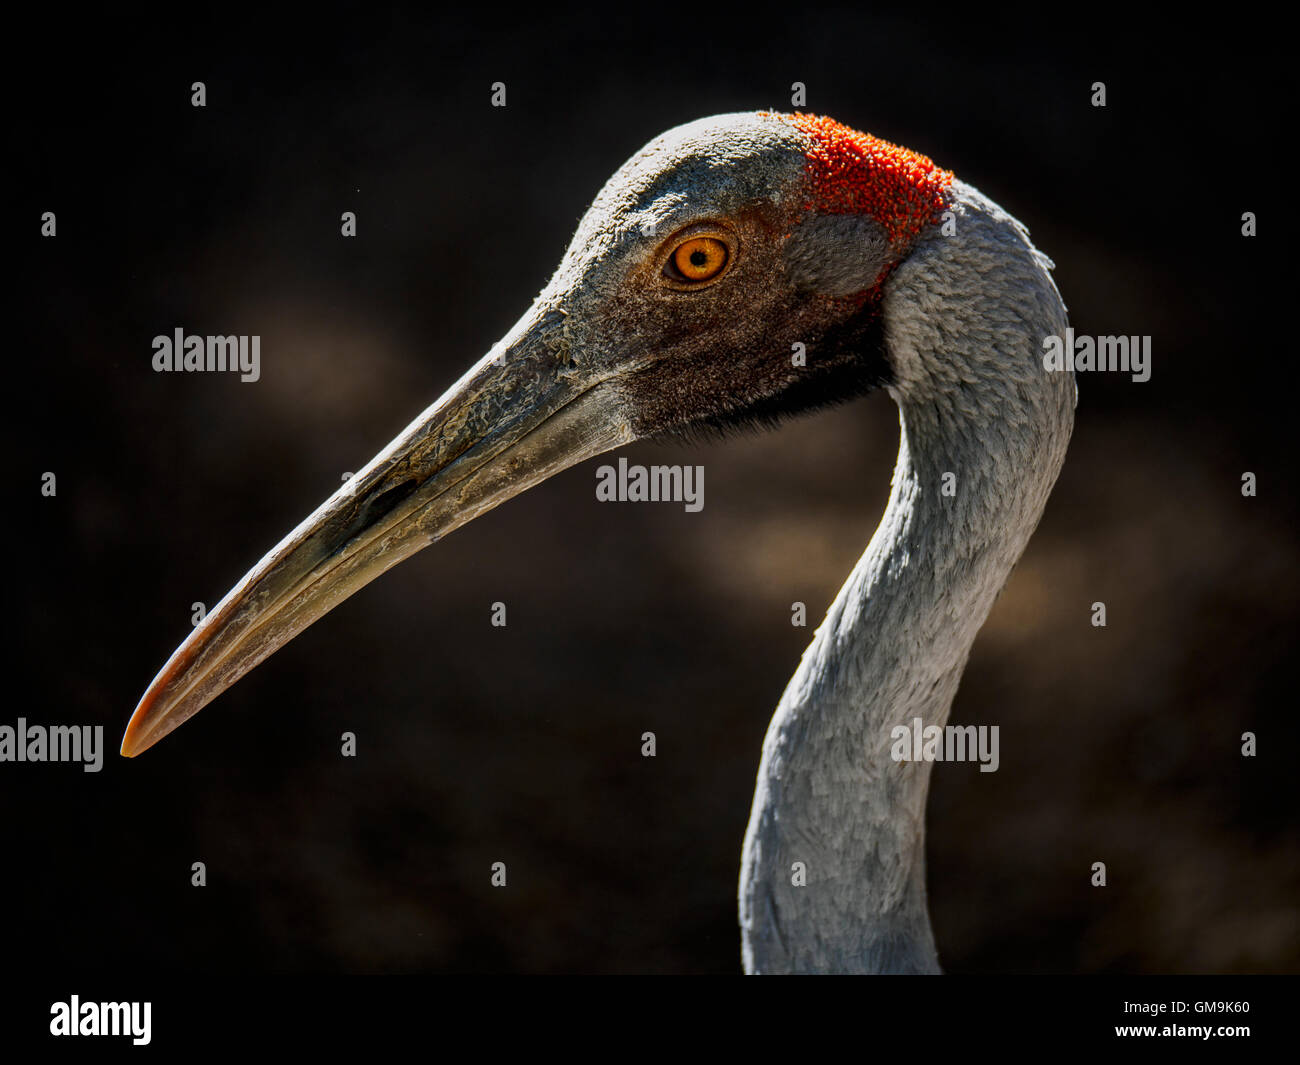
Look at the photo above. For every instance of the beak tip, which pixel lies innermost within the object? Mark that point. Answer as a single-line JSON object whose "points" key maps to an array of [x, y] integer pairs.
{"points": [[139, 736], [130, 745]]}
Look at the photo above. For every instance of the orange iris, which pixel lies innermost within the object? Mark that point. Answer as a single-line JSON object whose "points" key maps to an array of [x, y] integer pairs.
{"points": [[700, 258]]}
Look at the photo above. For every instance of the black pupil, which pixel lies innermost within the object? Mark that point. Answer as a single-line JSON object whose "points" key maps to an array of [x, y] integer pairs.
{"points": [[698, 258]]}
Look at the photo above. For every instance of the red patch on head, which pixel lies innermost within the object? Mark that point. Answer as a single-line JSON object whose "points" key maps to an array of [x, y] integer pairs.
{"points": [[854, 173]]}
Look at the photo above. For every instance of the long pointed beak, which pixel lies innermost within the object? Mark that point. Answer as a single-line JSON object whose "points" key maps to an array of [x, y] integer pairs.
{"points": [[523, 413]]}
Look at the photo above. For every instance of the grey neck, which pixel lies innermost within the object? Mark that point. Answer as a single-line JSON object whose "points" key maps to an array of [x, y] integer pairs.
{"points": [[833, 874]]}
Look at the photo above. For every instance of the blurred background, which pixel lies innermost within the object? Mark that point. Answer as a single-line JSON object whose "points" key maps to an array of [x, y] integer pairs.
{"points": [[479, 744]]}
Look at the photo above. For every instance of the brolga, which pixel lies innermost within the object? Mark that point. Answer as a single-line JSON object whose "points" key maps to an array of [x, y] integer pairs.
{"points": [[736, 270]]}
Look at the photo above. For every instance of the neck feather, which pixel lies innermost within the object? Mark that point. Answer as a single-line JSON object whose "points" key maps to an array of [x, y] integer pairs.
{"points": [[965, 316]]}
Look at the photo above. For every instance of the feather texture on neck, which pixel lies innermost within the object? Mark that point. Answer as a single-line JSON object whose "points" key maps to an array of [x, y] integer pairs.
{"points": [[965, 315]]}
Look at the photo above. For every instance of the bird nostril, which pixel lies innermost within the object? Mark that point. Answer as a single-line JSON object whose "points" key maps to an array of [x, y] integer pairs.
{"points": [[380, 506], [374, 510]]}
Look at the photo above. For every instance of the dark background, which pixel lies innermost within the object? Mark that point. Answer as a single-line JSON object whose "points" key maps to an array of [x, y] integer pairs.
{"points": [[521, 744]]}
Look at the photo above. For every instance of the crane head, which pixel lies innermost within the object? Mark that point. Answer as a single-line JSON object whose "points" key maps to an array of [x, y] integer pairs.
{"points": [[729, 273]]}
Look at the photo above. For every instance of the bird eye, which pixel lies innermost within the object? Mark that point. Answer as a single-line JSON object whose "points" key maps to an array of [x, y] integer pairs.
{"points": [[697, 259]]}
